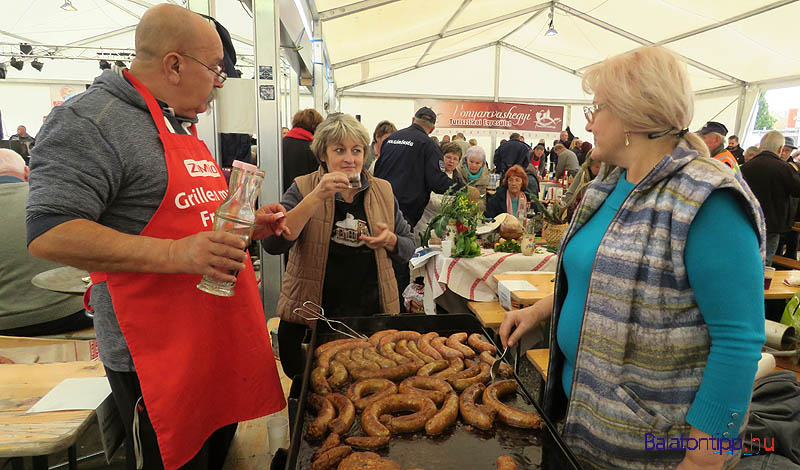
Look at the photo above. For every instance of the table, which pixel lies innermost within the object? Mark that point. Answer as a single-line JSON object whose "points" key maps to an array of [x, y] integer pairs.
{"points": [[39, 434], [490, 314], [471, 278], [779, 290]]}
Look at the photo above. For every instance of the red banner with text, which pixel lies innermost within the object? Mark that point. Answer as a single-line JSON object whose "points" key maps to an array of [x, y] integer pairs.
{"points": [[494, 115]]}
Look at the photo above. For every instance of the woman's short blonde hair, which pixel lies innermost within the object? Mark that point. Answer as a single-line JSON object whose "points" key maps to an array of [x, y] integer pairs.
{"points": [[337, 128], [649, 90]]}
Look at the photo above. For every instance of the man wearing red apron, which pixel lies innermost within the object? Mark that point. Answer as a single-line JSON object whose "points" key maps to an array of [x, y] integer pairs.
{"points": [[196, 363]]}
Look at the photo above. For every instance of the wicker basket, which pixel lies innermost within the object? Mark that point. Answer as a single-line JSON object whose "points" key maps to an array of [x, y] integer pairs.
{"points": [[553, 234]]}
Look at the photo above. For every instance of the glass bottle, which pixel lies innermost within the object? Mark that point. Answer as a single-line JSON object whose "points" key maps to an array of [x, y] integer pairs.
{"points": [[237, 215]]}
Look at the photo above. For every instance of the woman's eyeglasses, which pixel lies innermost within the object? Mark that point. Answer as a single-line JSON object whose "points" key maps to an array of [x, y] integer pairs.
{"points": [[589, 111]]}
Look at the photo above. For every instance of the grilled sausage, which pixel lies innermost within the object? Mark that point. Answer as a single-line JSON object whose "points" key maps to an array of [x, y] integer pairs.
{"points": [[447, 352], [375, 339], [456, 365], [422, 407], [367, 461], [325, 414], [482, 376], [477, 343], [331, 458], [426, 347], [505, 369], [367, 443], [318, 381], [357, 355], [412, 346], [324, 359], [509, 415], [331, 441], [346, 413], [402, 348], [506, 462], [364, 392], [395, 373], [471, 412], [334, 344], [387, 350], [456, 341], [398, 335], [445, 417], [434, 388], [371, 354], [433, 367], [338, 375]]}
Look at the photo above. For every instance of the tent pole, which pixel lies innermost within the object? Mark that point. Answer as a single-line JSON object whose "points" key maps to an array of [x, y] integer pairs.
{"points": [[207, 127], [496, 97], [739, 109], [266, 32], [319, 71]]}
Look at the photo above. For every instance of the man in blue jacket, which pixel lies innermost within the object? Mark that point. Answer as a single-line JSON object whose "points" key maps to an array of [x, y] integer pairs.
{"points": [[513, 152], [410, 162]]}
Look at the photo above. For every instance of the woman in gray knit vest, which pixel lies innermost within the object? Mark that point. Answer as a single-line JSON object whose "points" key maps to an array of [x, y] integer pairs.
{"points": [[658, 310]]}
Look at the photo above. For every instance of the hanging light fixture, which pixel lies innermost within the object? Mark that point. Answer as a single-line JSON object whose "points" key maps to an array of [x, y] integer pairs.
{"points": [[551, 31], [37, 65], [16, 63], [68, 6], [25, 48], [2, 71], [104, 65], [120, 64]]}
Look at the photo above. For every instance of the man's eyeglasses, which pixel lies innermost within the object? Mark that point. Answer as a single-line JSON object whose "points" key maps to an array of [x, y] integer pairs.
{"points": [[589, 111], [221, 76]]}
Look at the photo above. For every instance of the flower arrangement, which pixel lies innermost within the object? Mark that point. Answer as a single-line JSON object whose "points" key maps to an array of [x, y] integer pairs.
{"points": [[461, 215]]}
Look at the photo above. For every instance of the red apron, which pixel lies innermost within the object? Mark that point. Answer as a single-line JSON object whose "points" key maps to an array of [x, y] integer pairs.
{"points": [[203, 361]]}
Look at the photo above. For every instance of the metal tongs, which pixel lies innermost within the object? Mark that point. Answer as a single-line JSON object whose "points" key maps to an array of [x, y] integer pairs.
{"points": [[311, 311]]}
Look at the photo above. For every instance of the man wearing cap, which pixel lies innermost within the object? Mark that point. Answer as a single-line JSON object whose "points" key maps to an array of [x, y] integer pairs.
{"points": [[735, 149], [787, 149], [713, 134], [410, 162]]}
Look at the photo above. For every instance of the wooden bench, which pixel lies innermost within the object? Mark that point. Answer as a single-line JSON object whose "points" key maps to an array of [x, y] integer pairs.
{"points": [[540, 358], [784, 262]]}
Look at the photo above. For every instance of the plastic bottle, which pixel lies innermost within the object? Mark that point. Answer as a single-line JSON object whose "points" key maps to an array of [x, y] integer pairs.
{"points": [[237, 215]]}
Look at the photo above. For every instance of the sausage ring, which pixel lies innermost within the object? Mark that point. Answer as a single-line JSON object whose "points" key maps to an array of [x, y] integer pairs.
{"points": [[433, 367], [346, 413], [505, 369], [334, 344], [456, 365], [367, 443], [509, 415], [422, 407], [477, 343], [446, 351], [324, 359], [357, 355], [325, 414], [472, 413], [398, 335], [445, 417], [387, 350], [364, 392], [395, 373], [338, 375], [318, 381], [371, 354], [426, 347], [483, 376], [375, 339], [434, 388], [412, 346], [403, 349], [456, 341]]}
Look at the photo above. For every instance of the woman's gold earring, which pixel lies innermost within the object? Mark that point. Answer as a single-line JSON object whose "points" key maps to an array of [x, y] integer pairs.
{"points": [[627, 142]]}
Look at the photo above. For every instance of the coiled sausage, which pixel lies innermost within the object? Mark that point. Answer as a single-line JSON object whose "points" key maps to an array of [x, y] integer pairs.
{"points": [[325, 414], [456, 341], [477, 343], [434, 388], [422, 407], [445, 417], [396, 373], [433, 367], [456, 365], [364, 392], [446, 351], [412, 346], [507, 414], [426, 347], [346, 413], [472, 413], [482, 376]]}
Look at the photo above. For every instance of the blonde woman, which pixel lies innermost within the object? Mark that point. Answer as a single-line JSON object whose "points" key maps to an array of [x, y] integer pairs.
{"points": [[644, 284], [343, 237]]}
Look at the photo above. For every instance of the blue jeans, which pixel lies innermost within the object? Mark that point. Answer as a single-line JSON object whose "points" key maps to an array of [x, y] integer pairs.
{"points": [[772, 246]]}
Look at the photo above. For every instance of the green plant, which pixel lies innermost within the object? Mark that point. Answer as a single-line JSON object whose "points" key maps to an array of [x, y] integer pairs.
{"points": [[458, 209], [508, 246]]}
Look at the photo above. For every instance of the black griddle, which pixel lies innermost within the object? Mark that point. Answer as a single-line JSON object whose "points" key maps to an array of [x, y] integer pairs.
{"points": [[458, 448]]}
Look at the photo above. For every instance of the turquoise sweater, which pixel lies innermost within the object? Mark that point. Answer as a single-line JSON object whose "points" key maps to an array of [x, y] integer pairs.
{"points": [[720, 237]]}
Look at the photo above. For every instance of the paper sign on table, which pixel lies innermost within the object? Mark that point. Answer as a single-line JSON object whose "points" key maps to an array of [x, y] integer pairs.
{"points": [[505, 287], [74, 394]]}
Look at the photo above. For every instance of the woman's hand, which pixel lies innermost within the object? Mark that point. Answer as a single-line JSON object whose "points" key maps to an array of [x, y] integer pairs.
{"points": [[517, 322], [329, 185], [270, 220], [385, 239]]}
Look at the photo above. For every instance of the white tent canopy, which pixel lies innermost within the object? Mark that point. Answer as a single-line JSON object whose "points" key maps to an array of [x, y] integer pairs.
{"points": [[466, 49]]}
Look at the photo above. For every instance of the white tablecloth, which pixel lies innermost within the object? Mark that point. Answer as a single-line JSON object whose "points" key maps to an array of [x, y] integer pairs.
{"points": [[471, 278]]}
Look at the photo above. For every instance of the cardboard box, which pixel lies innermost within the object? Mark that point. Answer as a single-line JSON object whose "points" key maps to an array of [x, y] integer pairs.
{"points": [[505, 287]]}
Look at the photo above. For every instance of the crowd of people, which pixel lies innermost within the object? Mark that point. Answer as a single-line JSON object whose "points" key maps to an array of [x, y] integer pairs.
{"points": [[665, 221]]}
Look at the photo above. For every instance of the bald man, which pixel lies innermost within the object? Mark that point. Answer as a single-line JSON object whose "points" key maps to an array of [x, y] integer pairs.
{"points": [[121, 186]]}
